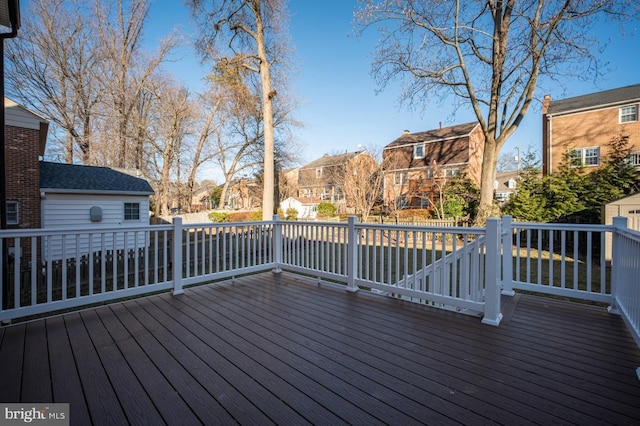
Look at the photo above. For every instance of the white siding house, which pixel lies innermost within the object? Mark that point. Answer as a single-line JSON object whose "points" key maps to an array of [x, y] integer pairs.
{"points": [[81, 197], [307, 208]]}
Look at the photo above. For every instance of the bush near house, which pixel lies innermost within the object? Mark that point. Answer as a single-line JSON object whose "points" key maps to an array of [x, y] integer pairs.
{"points": [[292, 214], [326, 209], [218, 217]]}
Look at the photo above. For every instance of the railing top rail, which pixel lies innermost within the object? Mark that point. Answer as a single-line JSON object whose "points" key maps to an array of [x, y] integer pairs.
{"points": [[223, 224], [12, 233], [629, 233], [312, 223], [420, 228], [563, 226]]}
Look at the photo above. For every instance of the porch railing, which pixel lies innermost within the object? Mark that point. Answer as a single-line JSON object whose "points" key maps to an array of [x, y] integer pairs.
{"points": [[458, 268]]}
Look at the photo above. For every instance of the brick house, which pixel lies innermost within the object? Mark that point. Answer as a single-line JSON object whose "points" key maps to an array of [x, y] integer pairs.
{"points": [[416, 165], [25, 141], [324, 177], [583, 127]]}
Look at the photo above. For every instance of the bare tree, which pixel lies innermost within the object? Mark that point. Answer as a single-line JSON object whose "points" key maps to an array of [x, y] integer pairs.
{"points": [[171, 114], [251, 30], [54, 69], [127, 70], [208, 124], [488, 54], [362, 183]]}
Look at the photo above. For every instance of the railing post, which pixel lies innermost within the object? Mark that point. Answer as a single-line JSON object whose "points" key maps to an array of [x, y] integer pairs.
{"points": [[507, 256], [177, 256], [352, 253], [492, 314], [619, 222], [277, 244]]}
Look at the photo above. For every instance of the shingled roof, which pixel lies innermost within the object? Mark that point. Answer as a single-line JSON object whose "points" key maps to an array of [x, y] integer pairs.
{"points": [[436, 135], [607, 98], [73, 178], [331, 160]]}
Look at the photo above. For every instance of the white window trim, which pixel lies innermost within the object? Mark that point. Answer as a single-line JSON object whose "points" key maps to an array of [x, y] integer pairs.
{"points": [[17, 213], [634, 116], [583, 157], [400, 178], [124, 212], [415, 151], [634, 158]]}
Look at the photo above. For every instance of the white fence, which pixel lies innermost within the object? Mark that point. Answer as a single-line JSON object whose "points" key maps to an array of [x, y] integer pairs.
{"points": [[458, 268]]}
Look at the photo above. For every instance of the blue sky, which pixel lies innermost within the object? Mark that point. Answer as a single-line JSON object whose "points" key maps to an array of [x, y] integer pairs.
{"points": [[340, 108]]}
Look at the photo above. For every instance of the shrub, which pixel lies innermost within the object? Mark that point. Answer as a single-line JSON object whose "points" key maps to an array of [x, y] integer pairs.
{"points": [[292, 214], [255, 216], [326, 209], [218, 217]]}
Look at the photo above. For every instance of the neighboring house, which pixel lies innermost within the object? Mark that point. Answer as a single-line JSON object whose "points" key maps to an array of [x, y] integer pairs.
{"points": [[324, 178], [307, 208], [288, 183], [416, 165], [74, 195], [243, 194], [505, 185], [201, 199], [583, 127]]}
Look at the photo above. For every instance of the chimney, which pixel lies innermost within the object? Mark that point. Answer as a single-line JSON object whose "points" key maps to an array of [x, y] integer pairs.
{"points": [[545, 104], [441, 125]]}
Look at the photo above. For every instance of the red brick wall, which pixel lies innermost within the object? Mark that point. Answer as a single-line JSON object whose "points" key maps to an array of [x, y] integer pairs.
{"points": [[23, 174], [588, 129]]}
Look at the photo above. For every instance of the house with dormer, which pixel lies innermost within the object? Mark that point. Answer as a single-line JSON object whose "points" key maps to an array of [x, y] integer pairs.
{"points": [[581, 128], [416, 166]]}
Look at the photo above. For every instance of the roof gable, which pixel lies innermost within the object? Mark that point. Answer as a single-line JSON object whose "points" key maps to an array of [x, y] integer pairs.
{"points": [[73, 178], [607, 98]]}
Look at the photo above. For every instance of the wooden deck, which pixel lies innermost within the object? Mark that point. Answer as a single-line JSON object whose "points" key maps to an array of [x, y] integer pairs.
{"points": [[282, 349]]}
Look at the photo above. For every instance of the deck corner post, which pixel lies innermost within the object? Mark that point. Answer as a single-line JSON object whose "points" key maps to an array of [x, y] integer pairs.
{"points": [[177, 256], [352, 253], [492, 314], [277, 244], [507, 256], [619, 222]]}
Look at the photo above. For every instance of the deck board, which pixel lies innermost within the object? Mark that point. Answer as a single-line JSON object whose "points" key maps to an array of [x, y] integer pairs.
{"points": [[283, 349]]}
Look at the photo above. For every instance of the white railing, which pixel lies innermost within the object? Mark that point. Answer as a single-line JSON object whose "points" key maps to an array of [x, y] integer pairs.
{"points": [[464, 269], [555, 258], [442, 267], [49, 270], [626, 275]]}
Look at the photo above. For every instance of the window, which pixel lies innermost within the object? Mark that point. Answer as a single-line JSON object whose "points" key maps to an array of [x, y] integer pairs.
{"points": [[430, 174], [418, 151], [584, 157], [319, 172], [12, 212], [131, 211], [400, 178], [511, 184], [634, 158], [451, 172], [629, 113]]}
